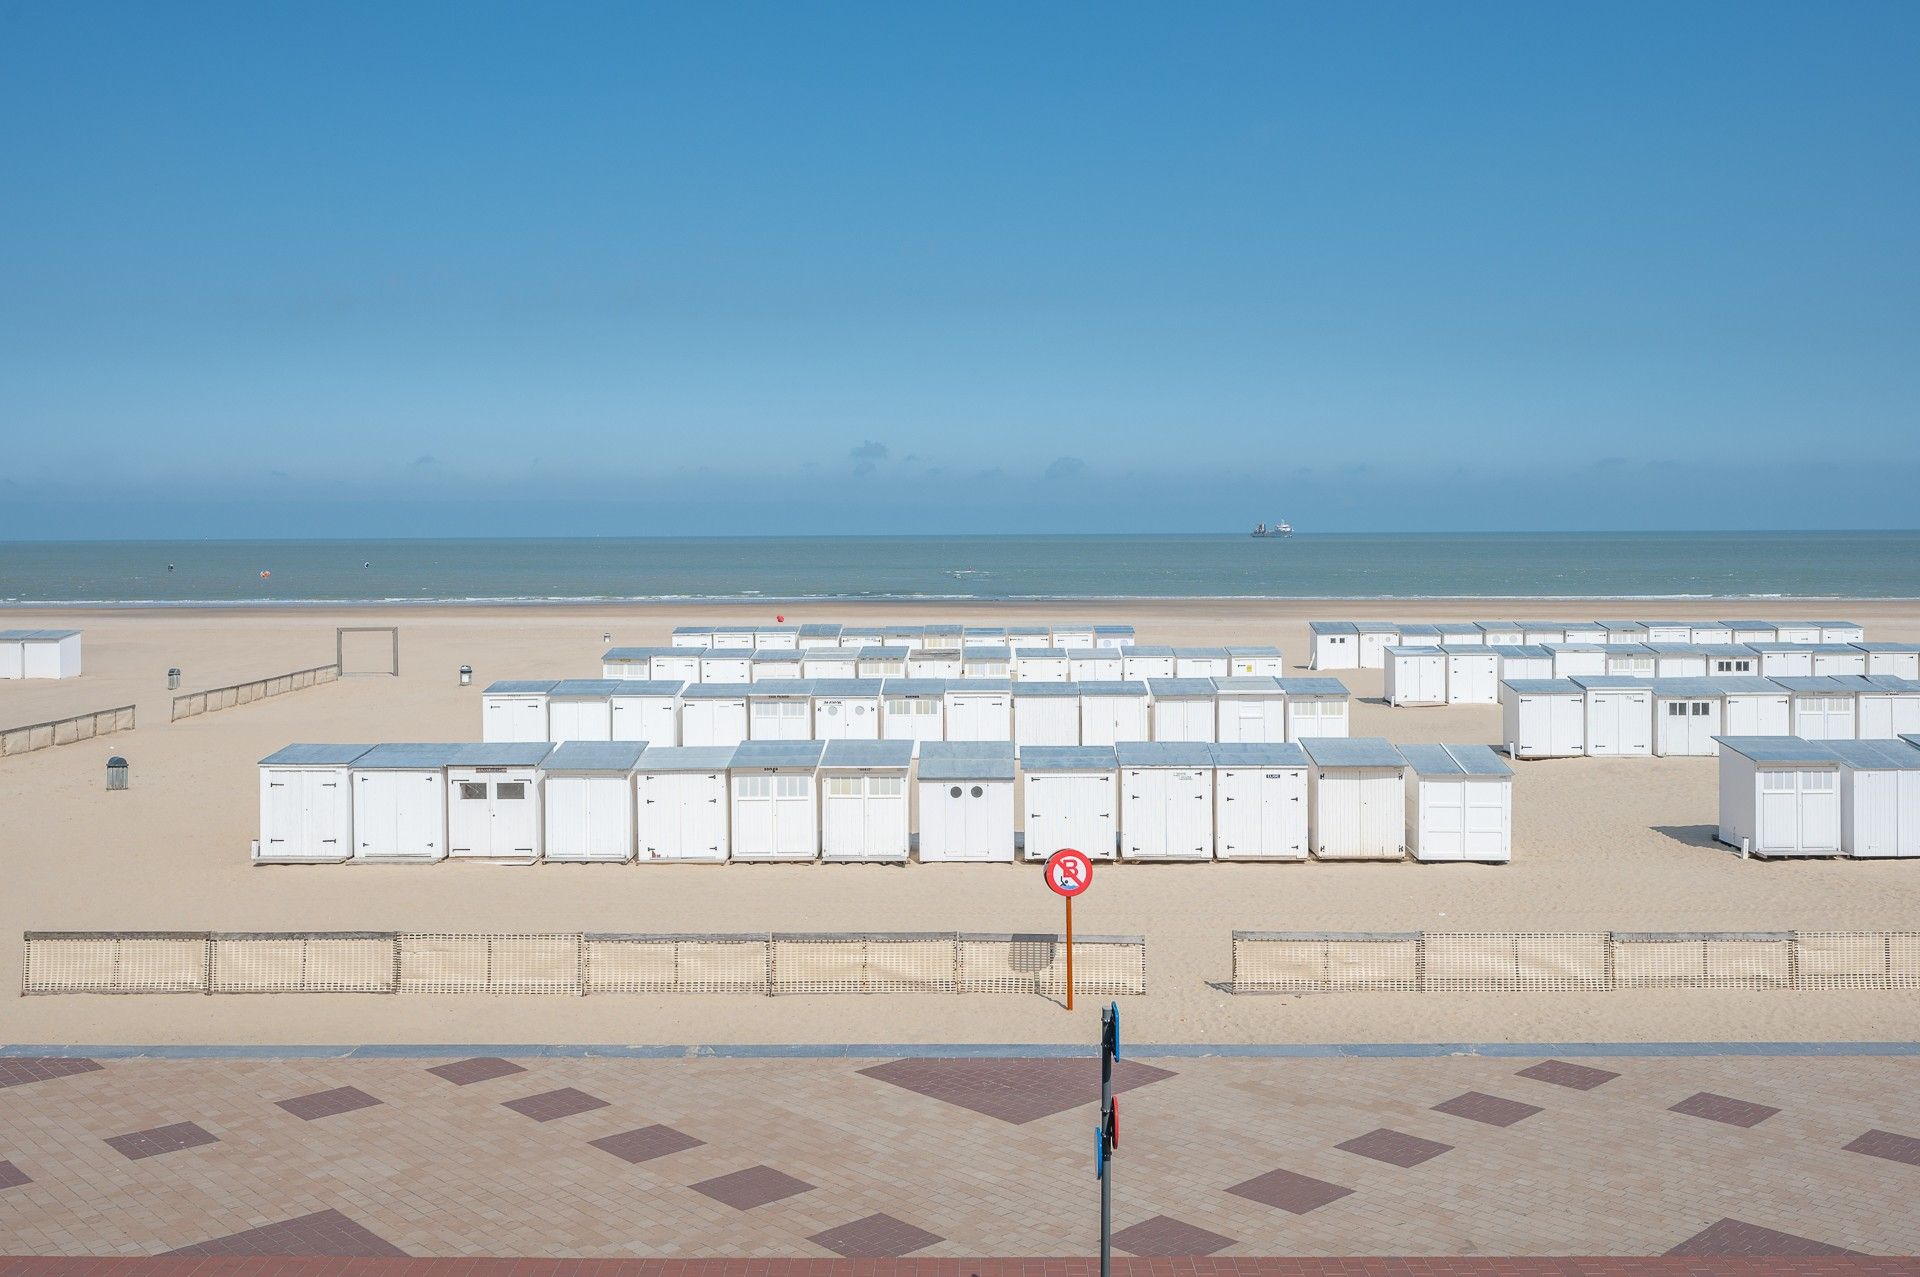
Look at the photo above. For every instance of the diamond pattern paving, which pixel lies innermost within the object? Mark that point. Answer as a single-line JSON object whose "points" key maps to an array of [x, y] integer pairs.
{"points": [[1396, 1147], [12, 1176], [875, 1237], [1163, 1237], [326, 1232], [1017, 1091], [1720, 1108], [755, 1186], [1290, 1192], [1895, 1148], [1580, 1077], [20, 1070], [551, 1105], [1477, 1106], [1734, 1237], [161, 1139], [342, 1099], [483, 1068], [646, 1143]]}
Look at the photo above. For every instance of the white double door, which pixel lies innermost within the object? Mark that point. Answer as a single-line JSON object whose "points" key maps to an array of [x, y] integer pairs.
{"points": [[305, 814], [966, 820], [1464, 819], [863, 817], [1799, 811], [588, 818], [1884, 813], [399, 815], [1688, 727], [980, 716], [492, 815], [1619, 723], [1260, 814], [1068, 809], [1253, 720], [1823, 717], [653, 719], [683, 816], [514, 718], [773, 818], [1166, 813], [846, 720], [580, 720], [1470, 680]]}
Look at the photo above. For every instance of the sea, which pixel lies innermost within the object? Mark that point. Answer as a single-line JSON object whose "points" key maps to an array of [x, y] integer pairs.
{"points": [[1649, 565]]}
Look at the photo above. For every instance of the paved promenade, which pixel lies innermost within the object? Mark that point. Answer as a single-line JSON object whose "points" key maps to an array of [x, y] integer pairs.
{"points": [[929, 1158]]}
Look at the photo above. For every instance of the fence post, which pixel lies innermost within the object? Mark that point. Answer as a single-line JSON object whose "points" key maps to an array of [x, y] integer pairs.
{"points": [[580, 963], [206, 966], [769, 964], [1793, 959], [1606, 951], [1420, 962]]}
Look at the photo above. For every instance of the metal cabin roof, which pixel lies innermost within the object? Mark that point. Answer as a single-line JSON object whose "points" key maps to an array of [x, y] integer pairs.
{"points": [[587, 687], [868, 753], [1440, 760], [782, 655], [407, 757], [1248, 685], [1163, 753], [1149, 649], [1817, 685], [1675, 649], [984, 631], [1201, 653], [1265, 649], [693, 629], [780, 687], [717, 691], [1754, 625], [820, 629], [519, 687], [1031, 687], [1521, 651], [776, 629], [1725, 649], [1028, 631], [648, 687], [1352, 751], [1687, 688], [1456, 627], [1886, 682], [1829, 625], [1542, 625], [1498, 625], [1413, 649], [1113, 687], [1259, 754], [1176, 689], [595, 756], [1467, 649], [880, 652], [846, 686], [1314, 687], [1640, 649], [1418, 631], [1622, 627], [1832, 649], [1876, 755], [1049, 653], [1375, 627], [1576, 647], [500, 754], [830, 653], [1068, 758], [1746, 685], [986, 653], [1542, 686], [1790, 647], [917, 686], [36, 636], [965, 760], [1333, 627], [1611, 682], [900, 631], [1886, 647], [1113, 629], [1778, 749], [780, 753], [313, 755], [686, 758], [979, 685], [642, 653]]}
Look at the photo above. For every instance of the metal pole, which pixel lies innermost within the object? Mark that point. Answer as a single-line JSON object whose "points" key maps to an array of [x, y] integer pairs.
{"points": [[1070, 954], [1106, 1108]]}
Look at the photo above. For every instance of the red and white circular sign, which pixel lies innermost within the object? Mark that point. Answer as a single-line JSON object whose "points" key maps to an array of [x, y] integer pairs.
{"points": [[1069, 872]]}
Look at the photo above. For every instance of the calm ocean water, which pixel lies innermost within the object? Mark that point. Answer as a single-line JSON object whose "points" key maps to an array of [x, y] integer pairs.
{"points": [[1646, 565]]}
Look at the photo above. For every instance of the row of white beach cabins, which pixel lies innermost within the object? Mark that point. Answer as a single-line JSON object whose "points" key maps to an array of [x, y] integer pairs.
{"points": [[1072, 635], [1346, 645], [1047, 664], [851, 801], [1251, 708], [39, 654]]}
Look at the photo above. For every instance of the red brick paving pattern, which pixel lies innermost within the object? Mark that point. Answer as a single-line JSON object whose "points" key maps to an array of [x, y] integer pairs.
{"points": [[341, 1099], [1895, 1148], [1477, 1106], [1735, 1237], [1395, 1147], [755, 1186], [1165, 1237], [549, 1106], [12, 1176], [1289, 1191], [646, 1143], [326, 1232], [161, 1139], [1075, 1266], [1013, 1090], [22, 1069], [1581, 1077], [1721, 1108], [875, 1237], [483, 1068]]}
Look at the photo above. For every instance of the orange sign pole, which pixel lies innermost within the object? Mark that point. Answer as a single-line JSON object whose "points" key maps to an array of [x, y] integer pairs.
{"points": [[1069, 953]]}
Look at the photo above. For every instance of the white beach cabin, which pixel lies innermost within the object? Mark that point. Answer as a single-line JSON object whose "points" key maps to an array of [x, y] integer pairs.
{"points": [[1095, 665], [863, 800], [1473, 674], [1113, 710], [726, 665], [914, 709], [1072, 635], [682, 808], [1543, 718], [588, 795], [1416, 676], [1071, 800], [1798, 633], [937, 662], [1541, 633], [714, 714], [1838, 659], [1316, 707], [775, 664], [1711, 633], [1902, 660], [775, 790], [1688, 713], [1619, 716], [1823, 708], [1879, 798], [1045, 713], [1459, 634], [1147, 662], [1255, 662], [1260, 801], [1026, 637], [859, 637], [1755, 707], [1184, 709], [1042, 665], [1570, 659], [781, 709], [515, 709], [1631, 660], [818, 635], [1586, 633], [1884, 706], [1779, 796], [1501, 633], [1333, 645], [648, 710], [910, 637], [1750, 632], [846, 708], [1667, 631], [1249, 710], [1523, 660], [979, 709], [400, 802], [1731, 660], [581, 709], [1166, 800], [1459, 804], [986, 662], [1784, 660], [1842, 632], [829, 662], [733, 637], [493, 801], [983, 636], [677, 665], [1117, 637], [40, 653], [692, 636], [1623, 633], [776, 638], [1200, 662], [306, 805], [1678, 660], [1375, 637], [966, 801], [883, 662], [634, 662], [1357, 789]]}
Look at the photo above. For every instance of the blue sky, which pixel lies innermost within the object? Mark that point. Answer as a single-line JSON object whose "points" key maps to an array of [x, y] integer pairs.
{"points": [[457, 269]]}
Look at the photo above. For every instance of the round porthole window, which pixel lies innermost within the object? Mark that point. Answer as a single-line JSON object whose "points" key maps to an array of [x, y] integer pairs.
{"points": [[977, 791], [831, 710], [954, 792]]}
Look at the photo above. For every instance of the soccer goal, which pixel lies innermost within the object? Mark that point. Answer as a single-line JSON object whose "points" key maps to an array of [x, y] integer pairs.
{"points": [[367, 649]]}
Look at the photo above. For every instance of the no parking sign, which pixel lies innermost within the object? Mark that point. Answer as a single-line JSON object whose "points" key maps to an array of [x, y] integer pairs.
{"points": [[1069, 872]]}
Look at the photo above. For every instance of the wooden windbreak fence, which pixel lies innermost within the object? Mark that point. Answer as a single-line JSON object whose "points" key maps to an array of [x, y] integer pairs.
{"points": [[194, 704], [577, 963], [65, 731], [1594, 961]]}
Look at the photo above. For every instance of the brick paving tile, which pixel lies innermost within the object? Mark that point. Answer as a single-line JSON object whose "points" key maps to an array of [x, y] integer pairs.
{"points": [[1198, 1266], [1396, 1147], [161, 1139], [1895, 1148], [342, 1099], [18, 1070], [1580, 1077], [1721, 1108], [549, 1105], [755, 1186], [480, 1069], [326, 1232], [1013, 1090], [12, 1176], [875, 1237], [1290, 1192], [1164, 1237], [1477, 1106], [646, 1143], [1735, 1237]]}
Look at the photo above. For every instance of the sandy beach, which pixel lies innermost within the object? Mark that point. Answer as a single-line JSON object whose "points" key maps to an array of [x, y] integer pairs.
{"points": [[1598, 844]]}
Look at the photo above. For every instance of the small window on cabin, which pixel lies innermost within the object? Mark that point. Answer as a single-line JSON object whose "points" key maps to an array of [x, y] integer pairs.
{"points": [[1702, 708], [885, 786], [511, 790], [1777, 782], [954, 792], [790, 786], [977, 791], [1676, 709], [1818, 782], [471, 790]]}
